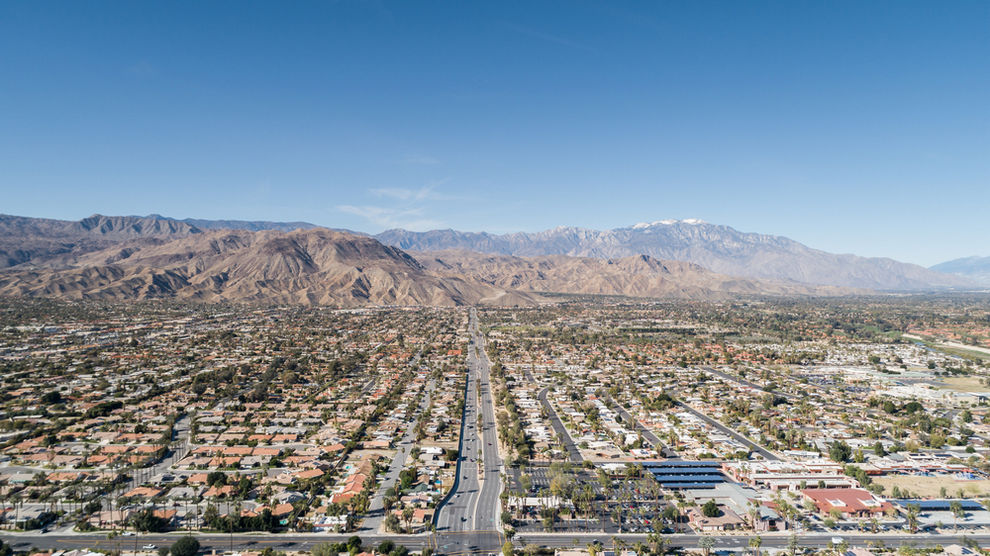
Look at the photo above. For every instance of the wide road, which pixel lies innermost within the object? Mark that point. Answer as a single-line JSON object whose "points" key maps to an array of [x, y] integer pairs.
{"points": [[740, 542], [458, 543], [471, 517]]}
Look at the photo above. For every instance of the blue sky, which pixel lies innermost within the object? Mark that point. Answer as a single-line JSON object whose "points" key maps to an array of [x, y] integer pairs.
{"points": [[856, 126]]}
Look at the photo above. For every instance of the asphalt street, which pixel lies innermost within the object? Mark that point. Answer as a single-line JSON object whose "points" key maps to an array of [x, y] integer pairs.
{"points": [[653, 439], [573, 453], [470, 517], [455, 543], [718, 425], [376, 509]]}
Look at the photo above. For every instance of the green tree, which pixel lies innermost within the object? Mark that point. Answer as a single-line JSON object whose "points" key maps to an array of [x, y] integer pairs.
{"points": [[710, 509], [325, 549], [146, 520], [839, 452], [185, 546], [391, 523]]}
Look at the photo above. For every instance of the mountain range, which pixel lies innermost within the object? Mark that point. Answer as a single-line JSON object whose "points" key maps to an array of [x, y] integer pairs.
{"points": [[720, 249], [311, 267], [140, 257], [976, 269], [637, 275]]}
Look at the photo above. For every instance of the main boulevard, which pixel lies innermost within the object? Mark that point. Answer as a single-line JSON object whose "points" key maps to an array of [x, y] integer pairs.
{"points": [[460, 542], [469, 520]]}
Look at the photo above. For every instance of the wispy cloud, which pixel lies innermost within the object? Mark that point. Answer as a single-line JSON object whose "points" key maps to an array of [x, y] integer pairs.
{"points": [[425, 193], [419, 160], [548, 37], [388, 217], [402, 207], [143, 69]]}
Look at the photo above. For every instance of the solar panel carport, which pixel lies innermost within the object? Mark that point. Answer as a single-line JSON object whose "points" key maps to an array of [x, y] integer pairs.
{"points": [[682, 475]]}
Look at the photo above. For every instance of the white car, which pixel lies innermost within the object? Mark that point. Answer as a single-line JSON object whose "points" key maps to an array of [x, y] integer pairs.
{"points": [[838, 540], [149, 547]]}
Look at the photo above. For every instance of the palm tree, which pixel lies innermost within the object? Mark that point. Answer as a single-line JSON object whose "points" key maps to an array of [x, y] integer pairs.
{"points": [[18, 502], [754, 512], [617, 545], [912, 517], [706, 543], [956, 508], [617, 516], [755, 544], [657, 543]]}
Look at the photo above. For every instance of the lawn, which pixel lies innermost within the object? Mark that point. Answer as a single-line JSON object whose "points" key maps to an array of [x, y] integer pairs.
{"points": [[964, 384], [931, 486]]}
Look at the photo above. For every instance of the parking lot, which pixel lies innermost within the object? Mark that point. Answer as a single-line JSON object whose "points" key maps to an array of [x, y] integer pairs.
{"points": [[588, 502]]}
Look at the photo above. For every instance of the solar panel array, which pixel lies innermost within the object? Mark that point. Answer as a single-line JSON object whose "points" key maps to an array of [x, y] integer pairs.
{"points": [[681, 475]]}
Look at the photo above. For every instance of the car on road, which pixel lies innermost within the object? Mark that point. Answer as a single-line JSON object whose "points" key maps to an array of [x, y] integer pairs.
{"points": [[838, 540], [127, 534], [149, 547]]}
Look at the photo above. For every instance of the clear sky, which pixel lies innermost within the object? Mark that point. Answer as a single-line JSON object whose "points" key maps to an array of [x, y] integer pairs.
{"points": [[859, 126]]}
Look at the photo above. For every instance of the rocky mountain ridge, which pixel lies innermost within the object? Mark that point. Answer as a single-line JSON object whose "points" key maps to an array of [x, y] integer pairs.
{"points": [[721, 249]]}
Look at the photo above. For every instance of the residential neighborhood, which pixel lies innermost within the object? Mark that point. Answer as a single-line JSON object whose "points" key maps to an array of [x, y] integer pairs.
{"points": [[648, 420]]}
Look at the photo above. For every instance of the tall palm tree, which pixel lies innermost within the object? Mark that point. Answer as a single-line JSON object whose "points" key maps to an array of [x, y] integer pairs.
{"points": [[617, 545], [754, 512], [755, 544], [657, 543], [912, 517], [617, 516], [706, 543], [956, 508], [18, 502]]}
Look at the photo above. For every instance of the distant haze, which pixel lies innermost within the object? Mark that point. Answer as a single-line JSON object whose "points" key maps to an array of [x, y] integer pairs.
{"points": [[128, 256]]}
